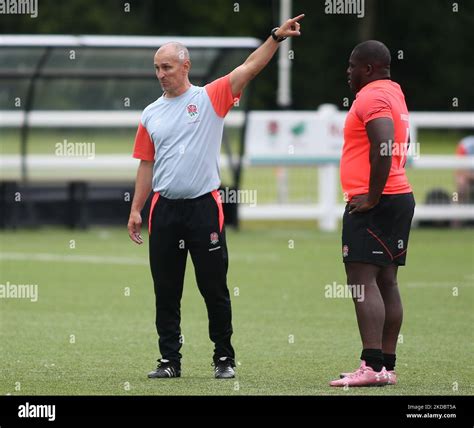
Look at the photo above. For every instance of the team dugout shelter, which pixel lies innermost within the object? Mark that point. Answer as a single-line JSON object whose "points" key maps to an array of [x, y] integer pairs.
{"points": [[62, 85]]}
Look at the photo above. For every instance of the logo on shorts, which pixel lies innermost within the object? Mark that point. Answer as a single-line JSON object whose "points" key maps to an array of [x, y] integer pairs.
{"points": [[345, 251], [214, 238], [192, 111]]}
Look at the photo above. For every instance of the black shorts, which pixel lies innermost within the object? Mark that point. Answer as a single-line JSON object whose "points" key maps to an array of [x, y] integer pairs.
{"points": [[379, 236]]}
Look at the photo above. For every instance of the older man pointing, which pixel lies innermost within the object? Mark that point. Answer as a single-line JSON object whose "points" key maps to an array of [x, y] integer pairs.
{"points": [[178, 142]]}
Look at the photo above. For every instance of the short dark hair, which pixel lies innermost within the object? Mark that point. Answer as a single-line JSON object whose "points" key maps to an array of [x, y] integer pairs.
{"points": [[372, 51]]}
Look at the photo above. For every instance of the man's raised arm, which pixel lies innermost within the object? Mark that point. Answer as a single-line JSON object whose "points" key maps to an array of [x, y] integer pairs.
{"points": [[256, 62]]}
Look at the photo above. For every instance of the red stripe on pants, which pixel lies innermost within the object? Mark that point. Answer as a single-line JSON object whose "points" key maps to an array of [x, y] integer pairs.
{"points": [[381, 242], [217, 197], [153, 203]]}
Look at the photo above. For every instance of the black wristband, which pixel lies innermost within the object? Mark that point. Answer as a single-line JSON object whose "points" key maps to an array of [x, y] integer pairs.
{"points": [[275, 37]]}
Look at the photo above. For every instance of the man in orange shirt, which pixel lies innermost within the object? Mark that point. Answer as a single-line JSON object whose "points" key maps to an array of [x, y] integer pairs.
{"points": [[379, 210], [465, 177]]}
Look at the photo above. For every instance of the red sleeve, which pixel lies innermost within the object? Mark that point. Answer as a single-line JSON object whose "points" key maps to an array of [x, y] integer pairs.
{"points": [[220, 93], [144, 148], [461, 150], [372, 105]]}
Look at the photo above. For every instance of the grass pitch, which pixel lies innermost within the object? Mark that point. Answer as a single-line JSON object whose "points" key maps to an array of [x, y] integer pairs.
{"points": [[92, 329]]}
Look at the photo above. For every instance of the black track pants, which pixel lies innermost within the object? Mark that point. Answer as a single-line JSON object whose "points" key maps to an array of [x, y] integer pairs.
{"points": [[176, 227]]}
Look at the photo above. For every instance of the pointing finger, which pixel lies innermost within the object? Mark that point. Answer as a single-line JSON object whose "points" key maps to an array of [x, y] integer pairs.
{"points": [[297, 18]]}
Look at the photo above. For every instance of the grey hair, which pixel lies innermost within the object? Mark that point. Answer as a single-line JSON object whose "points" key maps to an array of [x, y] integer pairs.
{"points": [[181, 50]]}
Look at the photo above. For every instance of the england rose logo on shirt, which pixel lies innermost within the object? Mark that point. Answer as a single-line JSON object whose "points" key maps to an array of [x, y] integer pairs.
{"points": [[192, 110]]}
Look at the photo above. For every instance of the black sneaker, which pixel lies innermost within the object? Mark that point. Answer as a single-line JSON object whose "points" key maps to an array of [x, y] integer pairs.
{"points": [[166, 368], [224, 368]]}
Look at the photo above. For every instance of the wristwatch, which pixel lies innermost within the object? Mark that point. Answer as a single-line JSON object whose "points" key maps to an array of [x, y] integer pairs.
{"points": [[275, 37]]}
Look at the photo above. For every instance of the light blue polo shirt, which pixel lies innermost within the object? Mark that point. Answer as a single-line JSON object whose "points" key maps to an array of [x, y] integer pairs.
{"points": [[183, 136]]}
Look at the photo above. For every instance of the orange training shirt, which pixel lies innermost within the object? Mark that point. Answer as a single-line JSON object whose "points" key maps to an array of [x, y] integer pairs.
{"points": [[380, 98]]}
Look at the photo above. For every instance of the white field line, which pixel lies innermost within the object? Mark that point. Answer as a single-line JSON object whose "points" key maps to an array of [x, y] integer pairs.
{"points": [[49, 257], [58, 258]]}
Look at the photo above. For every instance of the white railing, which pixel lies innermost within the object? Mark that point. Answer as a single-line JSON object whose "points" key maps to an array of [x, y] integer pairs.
{"points": [[327, 211], [325, 130], [87, 119]]}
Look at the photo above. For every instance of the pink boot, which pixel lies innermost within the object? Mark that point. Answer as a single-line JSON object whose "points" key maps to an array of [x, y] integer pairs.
{"points": [[364, 376]]}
